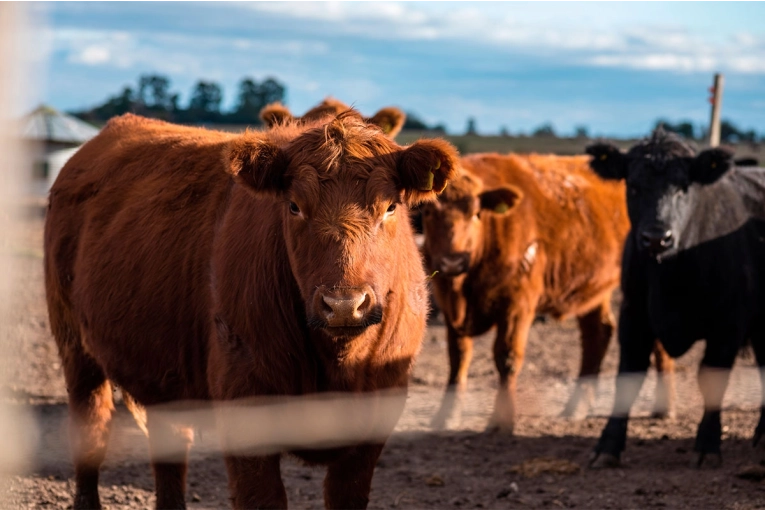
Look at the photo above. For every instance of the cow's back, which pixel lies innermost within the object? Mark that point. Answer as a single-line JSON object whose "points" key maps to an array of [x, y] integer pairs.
{"points": [[127, 245], [577, 220]]}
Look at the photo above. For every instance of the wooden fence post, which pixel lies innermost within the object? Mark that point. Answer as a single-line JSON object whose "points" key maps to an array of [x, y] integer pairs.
{"points": [[716, 100]]}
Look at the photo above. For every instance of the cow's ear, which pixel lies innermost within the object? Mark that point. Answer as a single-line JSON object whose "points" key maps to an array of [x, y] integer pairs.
{"points": [[275, 114], [710, 165], [390, 119], [424, 169], [258, 164], [500, 200], [607, 161]]}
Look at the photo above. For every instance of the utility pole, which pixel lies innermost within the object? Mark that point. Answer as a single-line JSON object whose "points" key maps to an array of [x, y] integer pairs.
{"points": [[716, 100]]}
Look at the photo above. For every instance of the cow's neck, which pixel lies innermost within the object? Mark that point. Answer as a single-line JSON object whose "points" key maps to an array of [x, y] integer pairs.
{"points": [[454, 302], [717, 210]]}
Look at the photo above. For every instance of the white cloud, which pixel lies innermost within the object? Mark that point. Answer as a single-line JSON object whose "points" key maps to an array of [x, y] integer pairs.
{"points": [[92, 55], [645, 46], [180, 54]]}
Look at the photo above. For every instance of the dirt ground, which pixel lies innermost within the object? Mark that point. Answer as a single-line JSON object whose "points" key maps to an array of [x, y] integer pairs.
{"points": [[419, 468]]}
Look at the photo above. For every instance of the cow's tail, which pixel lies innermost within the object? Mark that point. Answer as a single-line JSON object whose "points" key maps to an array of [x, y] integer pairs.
{"points": [[137, 410]]}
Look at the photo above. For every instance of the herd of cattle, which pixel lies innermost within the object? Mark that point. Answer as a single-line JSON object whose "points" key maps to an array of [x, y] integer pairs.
{"points": [[185, 264]]}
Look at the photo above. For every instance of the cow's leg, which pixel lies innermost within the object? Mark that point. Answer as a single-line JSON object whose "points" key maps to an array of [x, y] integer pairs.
{"points": [[596, 327], [758, 345], [460, 355], [349, 479], [90, 414], [169, 449], [509, 350], [635, 344], [714, 373], [664, 407], [255, 482]]}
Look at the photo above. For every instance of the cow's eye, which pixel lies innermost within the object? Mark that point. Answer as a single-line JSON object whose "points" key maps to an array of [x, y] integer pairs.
{"points": [[391, 209], [294, 209]]}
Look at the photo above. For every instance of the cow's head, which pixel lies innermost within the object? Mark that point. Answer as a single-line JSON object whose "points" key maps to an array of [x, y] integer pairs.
{"points": [[389, 119], [659, 172], [343, 190], [453, 224]]}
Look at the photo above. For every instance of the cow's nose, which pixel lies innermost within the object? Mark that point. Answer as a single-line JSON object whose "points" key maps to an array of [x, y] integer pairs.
{"points": [[346, 306], [453, 265], [656, 239]]}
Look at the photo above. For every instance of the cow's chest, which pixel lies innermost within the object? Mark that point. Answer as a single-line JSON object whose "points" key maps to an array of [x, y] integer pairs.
{"points": [[694, 301], [485, 305]]}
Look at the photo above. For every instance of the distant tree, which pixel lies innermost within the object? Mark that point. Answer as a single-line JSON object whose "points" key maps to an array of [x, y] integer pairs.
{"points": [[730, 133], [414, 122], [124, 102], [503, 131], [206, 98], [439, 128], [154, 93], [248, 104], [684, 128], [544, 130], [749, 136], [581, 132], [252, 97], [271, 91], [471, 127]]}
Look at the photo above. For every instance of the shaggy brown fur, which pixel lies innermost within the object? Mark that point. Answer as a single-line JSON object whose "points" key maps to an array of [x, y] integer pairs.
{"points": [[187, 264], [515, 236], [390, 119]]}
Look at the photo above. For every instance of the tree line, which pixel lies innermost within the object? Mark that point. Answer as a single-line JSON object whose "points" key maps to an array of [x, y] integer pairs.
{"points": [[153, 97], [729, 132]]}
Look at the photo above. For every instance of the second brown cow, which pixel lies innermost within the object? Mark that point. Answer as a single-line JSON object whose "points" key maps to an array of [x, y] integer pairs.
{"points": [[519, 235]]}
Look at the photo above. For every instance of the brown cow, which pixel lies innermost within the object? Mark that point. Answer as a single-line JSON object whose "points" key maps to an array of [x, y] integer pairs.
{"points": [[390, 119], [514, 236], [187, 264]]}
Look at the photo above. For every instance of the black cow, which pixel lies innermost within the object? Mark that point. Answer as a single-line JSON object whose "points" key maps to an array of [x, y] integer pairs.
{"points": [[693, 268]]}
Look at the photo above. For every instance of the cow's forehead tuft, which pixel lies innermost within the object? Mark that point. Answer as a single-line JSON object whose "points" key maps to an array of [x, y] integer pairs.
{"points": [[662, 147], [463, 187], [342, 142]]}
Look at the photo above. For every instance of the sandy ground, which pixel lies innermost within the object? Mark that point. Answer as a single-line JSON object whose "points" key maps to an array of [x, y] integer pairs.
{"points": [[419, 468]]}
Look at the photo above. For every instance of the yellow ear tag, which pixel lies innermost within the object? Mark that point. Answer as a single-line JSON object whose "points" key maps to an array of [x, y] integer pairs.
{"points": [[501, 208], [603, 157], [427, 184]]}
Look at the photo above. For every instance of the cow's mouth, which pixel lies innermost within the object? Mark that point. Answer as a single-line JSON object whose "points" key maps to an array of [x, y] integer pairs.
{"points": [[450, 273], [349, 329]]}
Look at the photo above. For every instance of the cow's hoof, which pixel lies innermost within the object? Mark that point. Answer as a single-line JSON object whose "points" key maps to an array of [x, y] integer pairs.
{"points": [[450, 420], [569, 411], [706, 460], [603, 461], [663, 414], [757, 437], [506, 429], [86, 500], [438, 422]]}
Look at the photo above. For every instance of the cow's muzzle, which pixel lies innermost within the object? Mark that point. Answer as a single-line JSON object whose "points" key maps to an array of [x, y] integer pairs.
{"points": [[454, 264], [346, 311], [656, 239]]}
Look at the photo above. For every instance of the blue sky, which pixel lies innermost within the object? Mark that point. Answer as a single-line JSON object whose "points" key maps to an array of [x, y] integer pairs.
{"points": [[614, 67]]}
